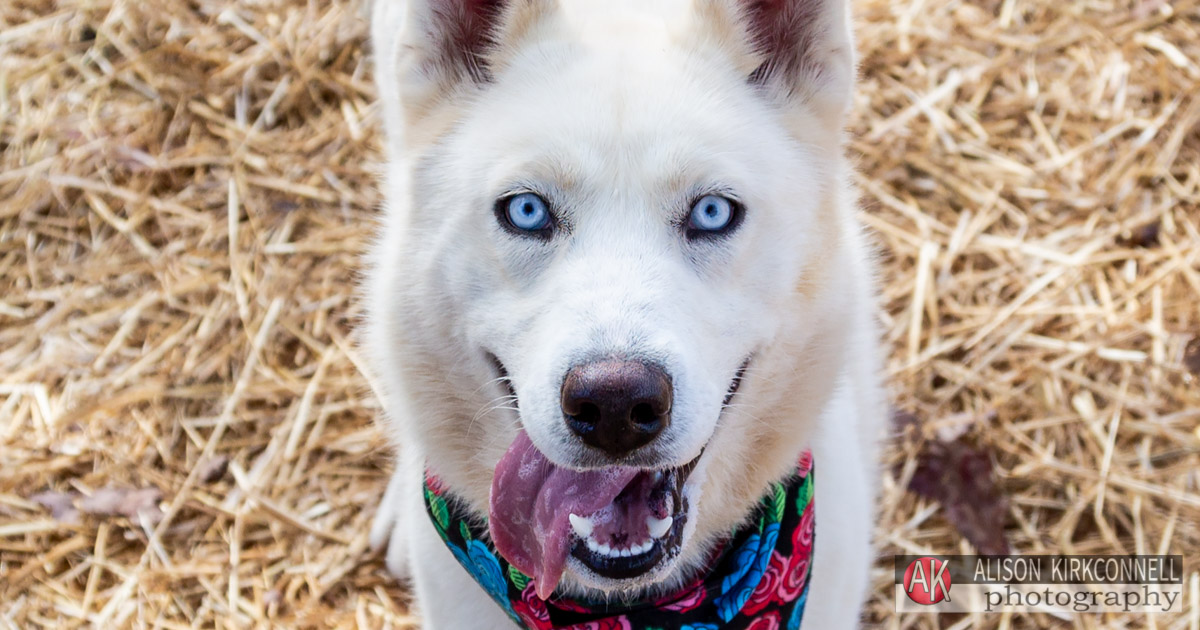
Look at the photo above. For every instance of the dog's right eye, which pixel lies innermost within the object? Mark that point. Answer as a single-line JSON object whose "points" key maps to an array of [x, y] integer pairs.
{"points": [[713, 215], [525, 213]]}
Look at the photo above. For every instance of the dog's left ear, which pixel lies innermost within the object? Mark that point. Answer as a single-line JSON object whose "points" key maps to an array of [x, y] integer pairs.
{"points": [[430, 52], [806, 49]]}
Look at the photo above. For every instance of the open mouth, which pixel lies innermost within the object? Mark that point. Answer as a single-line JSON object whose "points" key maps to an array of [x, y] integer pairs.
{"points": [[540, 513], [619, 522], [642, 526]]}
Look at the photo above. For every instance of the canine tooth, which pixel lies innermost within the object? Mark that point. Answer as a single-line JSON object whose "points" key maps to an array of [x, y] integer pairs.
{"points": [[659, 526], [604, 550], [583, 526]]}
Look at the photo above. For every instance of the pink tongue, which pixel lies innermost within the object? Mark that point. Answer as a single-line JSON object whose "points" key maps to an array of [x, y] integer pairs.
{"points": [[531, 503]]}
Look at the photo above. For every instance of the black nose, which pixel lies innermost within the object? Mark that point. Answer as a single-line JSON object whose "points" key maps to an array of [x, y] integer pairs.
{"points": [[617, 406]]}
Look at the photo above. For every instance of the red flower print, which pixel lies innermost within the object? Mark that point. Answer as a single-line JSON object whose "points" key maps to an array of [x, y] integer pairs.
{"points": [[532, 610], [569, 605], [611, 623], [434, 483], [765, 591], [794, 577], [682, 603], [769, 621], [805, 463]]}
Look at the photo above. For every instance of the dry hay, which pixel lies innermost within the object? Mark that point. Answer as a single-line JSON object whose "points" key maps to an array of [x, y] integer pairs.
{"points": [[185, 188]]}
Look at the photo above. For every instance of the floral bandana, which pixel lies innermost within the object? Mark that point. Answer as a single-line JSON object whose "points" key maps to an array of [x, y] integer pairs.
{"points": [[758, 580]]}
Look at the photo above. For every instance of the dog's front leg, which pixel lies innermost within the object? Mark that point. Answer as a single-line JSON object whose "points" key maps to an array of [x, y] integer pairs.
{"points": [[394, 518], [844, 452]]}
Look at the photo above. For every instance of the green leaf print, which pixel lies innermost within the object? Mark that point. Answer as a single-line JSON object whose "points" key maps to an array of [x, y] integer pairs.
{"points": [[804, 495], [441, 513], [520, 580], [778, 502]]}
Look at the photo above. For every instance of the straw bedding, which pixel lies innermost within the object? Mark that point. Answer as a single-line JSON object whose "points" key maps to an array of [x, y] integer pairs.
{"points": [[186, 438]]}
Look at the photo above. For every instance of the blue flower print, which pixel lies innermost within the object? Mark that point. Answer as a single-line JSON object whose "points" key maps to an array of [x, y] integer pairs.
{"points": [[751, 563], [699, 626], [461, 556], [743, 559], [482, 564], [486, 569], [770, 539]]}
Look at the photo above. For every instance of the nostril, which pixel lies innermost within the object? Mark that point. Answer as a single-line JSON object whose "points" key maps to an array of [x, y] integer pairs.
{"points": [[645, 418], [584, 419], [589, 413]]}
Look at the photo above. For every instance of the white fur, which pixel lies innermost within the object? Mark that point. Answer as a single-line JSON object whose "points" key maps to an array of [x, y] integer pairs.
{"points": [[620, 112]]}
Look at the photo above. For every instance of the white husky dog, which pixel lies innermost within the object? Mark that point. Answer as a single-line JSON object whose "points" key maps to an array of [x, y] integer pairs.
{"points": [[620, 234]]}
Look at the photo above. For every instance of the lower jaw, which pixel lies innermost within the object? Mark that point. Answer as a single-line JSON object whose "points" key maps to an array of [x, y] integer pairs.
{"points": [[664, 549], [627, 568], [619, 568]]}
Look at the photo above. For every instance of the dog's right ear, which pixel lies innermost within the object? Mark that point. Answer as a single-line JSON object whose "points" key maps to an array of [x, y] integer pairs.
{"points": [[429, 50], [449, 38], [803, 49]]}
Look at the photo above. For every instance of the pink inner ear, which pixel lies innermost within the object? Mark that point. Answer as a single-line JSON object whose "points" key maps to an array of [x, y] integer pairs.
{"points": [[465, 28], [784, 30]]}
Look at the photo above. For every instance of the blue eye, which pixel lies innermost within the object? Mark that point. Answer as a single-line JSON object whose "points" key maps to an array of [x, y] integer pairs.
{"points": [[526, 212], [712, 213]]}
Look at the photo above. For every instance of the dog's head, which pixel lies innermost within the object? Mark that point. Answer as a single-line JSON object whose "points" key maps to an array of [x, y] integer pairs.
{"points": [[609, 282]]}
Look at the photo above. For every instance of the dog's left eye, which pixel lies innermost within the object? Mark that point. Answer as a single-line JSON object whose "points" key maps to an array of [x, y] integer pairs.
{"points": [[526, 212], [712, 214]]}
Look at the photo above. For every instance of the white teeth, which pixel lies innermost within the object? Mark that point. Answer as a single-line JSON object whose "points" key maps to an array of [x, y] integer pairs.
{"points": [[583, 526], [659, 526], [628, 552]]}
